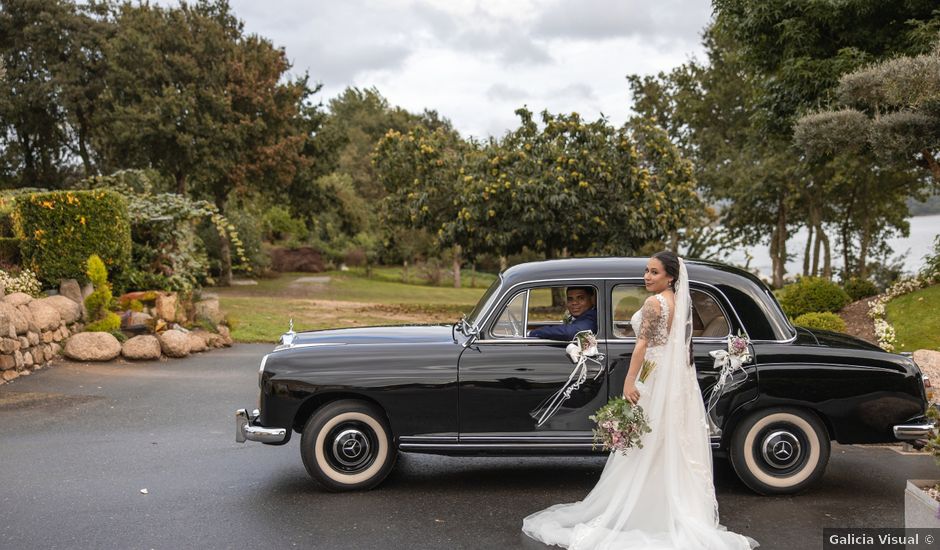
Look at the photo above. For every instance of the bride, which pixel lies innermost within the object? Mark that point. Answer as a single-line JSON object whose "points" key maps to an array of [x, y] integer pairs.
{"points": [[661, 495]]}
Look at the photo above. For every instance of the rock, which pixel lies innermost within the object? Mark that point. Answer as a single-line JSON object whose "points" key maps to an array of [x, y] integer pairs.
{"points": [[168, 308], [174, 343], [136, 319], [33, 338], [71, 290], [16, 318], [38, 355], [17, 299], [215, 341], [9, 345], [24, 343], [28, 359], [6, 325], [209, 309], [145, 346], [46, 316], [226, 335], [87, 290], [18, 359], [9, 375], [91, 346], [54, 349], [68, 311], [196, 343], [48, 337], [30, 321], [7, 362]]}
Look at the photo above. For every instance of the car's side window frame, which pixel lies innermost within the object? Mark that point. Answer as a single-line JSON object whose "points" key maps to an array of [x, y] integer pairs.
{"points": [[525, 316], [493, 316], [718, 298]]}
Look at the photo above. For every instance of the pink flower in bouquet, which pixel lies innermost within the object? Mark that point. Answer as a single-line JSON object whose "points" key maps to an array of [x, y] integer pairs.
{"points": [[738, 345]]}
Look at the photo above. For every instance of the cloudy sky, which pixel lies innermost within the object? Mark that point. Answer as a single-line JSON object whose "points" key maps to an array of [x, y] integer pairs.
{"points": [[476, 61]]}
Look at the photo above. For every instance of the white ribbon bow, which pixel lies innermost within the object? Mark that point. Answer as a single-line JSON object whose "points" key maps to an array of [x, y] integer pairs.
{"points": [[583, 348], [731, 374]]}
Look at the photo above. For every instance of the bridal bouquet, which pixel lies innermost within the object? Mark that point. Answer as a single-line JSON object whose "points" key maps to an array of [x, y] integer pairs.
{"points": [[620, 425]]}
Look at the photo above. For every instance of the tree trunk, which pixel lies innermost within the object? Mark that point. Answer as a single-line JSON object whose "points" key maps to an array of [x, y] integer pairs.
{"points": [[931, 163], [225, 249], [808, 251], [457, 250], [473, 275], [404, 271], [181, 187], [82, 144], [558, 293], [864, 244], [778, 246]]}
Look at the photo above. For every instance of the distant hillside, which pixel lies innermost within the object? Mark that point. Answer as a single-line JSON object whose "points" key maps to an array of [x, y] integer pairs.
{"points": [[930, 206]]}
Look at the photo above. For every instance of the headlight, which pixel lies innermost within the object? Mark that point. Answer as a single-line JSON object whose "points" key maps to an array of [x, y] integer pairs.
{"points": [[261, 369]]}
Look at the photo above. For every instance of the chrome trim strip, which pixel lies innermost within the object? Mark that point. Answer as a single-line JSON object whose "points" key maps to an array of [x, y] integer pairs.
{"points": [[912, 431], [514, 438], [715, 442], [473, 446], [261, 369], [419, 438]]}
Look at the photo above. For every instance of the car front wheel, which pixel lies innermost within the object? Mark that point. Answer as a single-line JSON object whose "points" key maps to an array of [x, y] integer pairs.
{"points": [[346, 445], [780, 450]]}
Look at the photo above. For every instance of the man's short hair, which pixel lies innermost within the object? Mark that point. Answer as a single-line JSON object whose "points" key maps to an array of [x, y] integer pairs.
{"points": [[587, 289]]}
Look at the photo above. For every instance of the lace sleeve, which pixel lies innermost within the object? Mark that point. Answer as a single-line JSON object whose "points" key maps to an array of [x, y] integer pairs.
{"points": [[649, 326]]}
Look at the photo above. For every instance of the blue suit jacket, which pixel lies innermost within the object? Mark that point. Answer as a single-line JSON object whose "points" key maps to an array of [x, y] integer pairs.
{"points": [[587, 321]]}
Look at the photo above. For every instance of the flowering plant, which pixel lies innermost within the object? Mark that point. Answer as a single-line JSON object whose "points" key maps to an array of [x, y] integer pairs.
{"points": [[737, 346], [620, 425]]}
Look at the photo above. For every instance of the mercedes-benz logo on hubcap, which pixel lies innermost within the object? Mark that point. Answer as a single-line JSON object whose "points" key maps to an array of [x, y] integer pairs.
{"points": [[783, 450], [351, 447]]}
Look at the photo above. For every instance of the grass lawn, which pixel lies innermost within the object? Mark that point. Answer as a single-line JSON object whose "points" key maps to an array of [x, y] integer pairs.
{"points": [[342, 299], [916, 319]]}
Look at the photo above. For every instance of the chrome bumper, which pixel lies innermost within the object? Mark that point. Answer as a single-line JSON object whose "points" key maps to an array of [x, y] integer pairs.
{"points": [[920, 430], [245, 430]]}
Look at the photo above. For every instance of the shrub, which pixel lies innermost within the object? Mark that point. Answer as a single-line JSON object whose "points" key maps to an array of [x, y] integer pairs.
{"points": [[821, 320], [10, 250], [61, 229], [280, 225], [98, 303], [810, 294], [859, 288], [111, 322], [24, 281]]}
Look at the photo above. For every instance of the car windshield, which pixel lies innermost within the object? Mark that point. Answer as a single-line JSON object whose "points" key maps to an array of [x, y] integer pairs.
{"points": [[486, 301]]}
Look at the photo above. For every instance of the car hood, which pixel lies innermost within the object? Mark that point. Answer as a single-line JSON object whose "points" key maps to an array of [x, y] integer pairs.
{"points": [[836, 339], [377, 335]]}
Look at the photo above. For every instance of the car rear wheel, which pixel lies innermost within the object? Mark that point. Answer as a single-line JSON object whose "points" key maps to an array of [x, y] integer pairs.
{"points": [[780, 450], [346, 445]]}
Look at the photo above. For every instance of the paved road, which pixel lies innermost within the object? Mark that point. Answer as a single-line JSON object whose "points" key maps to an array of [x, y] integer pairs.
{"points": [[79, 441]]}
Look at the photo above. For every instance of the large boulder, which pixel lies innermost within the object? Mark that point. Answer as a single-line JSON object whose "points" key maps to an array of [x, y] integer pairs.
{"points": [[17, 299], [68, 309], [226, 335], [209, 309], [168, 307], [145, 346], [46, 316], [196, 343], [71, 290], [92, 346], [174, 343], [28, 316]]}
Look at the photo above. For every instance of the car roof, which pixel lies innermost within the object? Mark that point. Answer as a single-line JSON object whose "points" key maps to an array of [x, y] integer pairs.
{"points": [[748, 295]]}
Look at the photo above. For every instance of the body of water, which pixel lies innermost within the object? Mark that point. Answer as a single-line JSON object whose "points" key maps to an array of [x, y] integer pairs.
{"points": [[915, 248]]}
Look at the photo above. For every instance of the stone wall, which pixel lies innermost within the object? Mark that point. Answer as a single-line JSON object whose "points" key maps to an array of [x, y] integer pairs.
{"points": [[32, 331]]}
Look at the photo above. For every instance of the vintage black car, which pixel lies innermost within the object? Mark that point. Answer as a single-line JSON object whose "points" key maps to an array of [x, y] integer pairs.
{"points": [[360, 396]]}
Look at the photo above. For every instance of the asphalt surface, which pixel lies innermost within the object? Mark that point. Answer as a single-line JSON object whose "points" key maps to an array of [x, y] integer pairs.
{"points": [[78, 443]]}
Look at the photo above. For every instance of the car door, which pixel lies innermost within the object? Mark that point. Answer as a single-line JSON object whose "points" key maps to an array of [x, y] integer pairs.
{"points": [[507, 379], [712, 321]]}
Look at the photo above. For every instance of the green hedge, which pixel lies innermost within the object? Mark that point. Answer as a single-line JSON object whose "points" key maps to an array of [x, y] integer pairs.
{"points": [[809, 294], [859, 288], [10, 250], [824, 321], [61, 229]]}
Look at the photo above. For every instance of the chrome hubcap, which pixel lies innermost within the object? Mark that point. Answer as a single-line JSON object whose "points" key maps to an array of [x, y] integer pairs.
{"points": [[781, 449], [351, 448]]}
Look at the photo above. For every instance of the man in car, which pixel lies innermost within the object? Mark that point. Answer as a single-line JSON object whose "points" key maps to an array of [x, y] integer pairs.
{"points": [[582, 315]]}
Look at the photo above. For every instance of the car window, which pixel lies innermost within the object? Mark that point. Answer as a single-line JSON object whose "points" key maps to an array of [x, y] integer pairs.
{"points": [[626, 299], [708, 319], [511, 321]]}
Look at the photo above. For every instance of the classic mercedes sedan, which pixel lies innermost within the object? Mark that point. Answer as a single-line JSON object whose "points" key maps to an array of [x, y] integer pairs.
{"points": [[360, 396]]}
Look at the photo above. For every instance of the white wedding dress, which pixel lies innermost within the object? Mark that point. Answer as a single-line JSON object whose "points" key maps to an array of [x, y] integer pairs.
{"points": [[660, 496]]}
